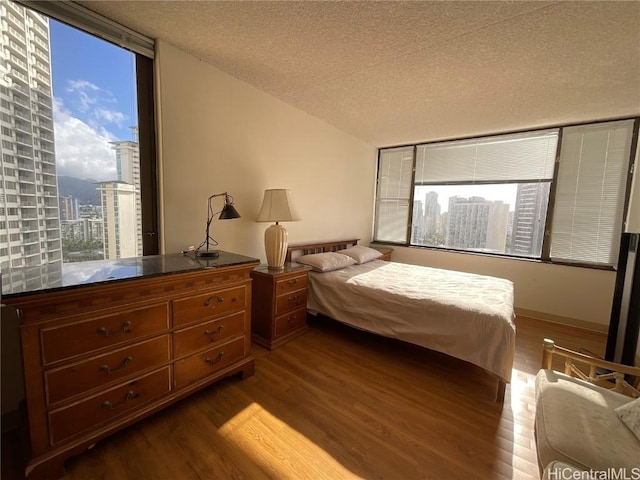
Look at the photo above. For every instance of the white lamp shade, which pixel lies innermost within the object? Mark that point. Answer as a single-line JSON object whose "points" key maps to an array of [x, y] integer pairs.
{"points": [[277, 207], [633, 213]]}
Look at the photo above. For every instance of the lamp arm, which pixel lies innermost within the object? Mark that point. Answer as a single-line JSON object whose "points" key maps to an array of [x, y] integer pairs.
{"points": [[210, 215]]}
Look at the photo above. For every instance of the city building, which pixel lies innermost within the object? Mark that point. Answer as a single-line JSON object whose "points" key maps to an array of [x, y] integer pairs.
{"points": [[120, 224], [431, 213], [69, 208], [417, 224], [477, 224], [128, 170], [29, 216], [529, 218], [497, 227]]}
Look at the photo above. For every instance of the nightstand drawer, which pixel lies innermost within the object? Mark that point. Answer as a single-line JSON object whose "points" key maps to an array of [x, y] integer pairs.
{"points": [[291, 284], [84, 376], [78, 417], [196, 338], [196, 366], [291, 301], [291, 322], [211, 304], [107, 331]]}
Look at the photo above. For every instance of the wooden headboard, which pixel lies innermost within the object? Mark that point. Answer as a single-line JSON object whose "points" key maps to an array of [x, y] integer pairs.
{"points": [[299, 249]]}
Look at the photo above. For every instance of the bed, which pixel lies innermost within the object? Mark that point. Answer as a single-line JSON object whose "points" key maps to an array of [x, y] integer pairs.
{"points": [[466, 316]]}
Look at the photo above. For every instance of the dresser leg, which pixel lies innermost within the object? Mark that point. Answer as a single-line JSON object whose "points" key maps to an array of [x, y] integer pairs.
{"points": [[248, 369]]}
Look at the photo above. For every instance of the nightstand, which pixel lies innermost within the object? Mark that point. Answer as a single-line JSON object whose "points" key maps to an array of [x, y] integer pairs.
{"points": [[279, 304], [386, 251]]}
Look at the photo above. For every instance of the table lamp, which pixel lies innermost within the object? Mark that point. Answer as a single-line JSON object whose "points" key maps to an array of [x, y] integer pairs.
{"points": [[228, 212], [276, 207]]}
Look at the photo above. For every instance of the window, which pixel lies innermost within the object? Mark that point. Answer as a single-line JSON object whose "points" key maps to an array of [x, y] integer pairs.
{"points": [[590, 193], [494, 194], [78, 105]]}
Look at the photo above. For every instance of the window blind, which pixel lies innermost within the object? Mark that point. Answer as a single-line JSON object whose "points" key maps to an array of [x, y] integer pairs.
{"points": [[395, 178], [590, 193], [84, 19], [521, 157]]}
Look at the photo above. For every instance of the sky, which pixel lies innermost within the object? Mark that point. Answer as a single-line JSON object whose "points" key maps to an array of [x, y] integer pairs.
{"points": [[94, 101]]}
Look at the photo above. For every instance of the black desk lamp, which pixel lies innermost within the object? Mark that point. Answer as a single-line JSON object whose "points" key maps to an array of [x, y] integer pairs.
{"points": [[228, 212]]}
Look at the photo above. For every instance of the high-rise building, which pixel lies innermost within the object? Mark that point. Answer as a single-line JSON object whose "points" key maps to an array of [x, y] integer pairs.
{"points": [[417, 224], [69, 208], [529, 219], [29, 216], [128, 170], [119, 220], [477, 224], [467, 225], [497, 227], [431, 213]]}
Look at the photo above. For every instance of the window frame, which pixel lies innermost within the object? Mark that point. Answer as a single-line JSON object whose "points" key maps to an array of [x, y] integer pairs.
{"points": [[546, 243], [143, 48]]}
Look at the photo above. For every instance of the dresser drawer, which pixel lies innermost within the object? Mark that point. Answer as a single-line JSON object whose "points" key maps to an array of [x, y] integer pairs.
{"points": [[291, 301], [81, 416], [291, 284], [66, 382], [67, 341], [290, 322], [208, 362], [218, 302], [201, 336]]}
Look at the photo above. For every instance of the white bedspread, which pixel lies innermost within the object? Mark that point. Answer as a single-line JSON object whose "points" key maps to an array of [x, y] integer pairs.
{"points": [[464, 315]]}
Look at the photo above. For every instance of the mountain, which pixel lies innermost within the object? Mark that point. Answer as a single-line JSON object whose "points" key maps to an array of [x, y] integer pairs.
{"points": [[84, 190]]}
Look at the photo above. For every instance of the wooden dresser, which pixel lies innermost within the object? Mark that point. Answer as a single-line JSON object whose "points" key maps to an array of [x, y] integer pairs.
{"points": [[279, 306], [100, 356]]}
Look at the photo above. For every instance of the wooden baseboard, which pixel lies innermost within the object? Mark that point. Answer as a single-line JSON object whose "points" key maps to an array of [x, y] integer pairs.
{"points": [[573, 322]]}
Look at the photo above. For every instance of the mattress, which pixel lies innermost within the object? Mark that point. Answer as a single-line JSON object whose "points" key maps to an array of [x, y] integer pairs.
{"points": [[464, 315]]}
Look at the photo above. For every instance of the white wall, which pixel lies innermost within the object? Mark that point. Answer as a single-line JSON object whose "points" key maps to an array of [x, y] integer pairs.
{"points": [[218, 134]]}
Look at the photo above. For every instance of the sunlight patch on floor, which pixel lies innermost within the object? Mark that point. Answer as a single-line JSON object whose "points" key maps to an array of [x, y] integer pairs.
{"points": [[307, 460]]}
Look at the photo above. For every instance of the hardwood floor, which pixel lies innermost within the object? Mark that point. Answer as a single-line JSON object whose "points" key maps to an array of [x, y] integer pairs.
{"points": [[338, 403]]}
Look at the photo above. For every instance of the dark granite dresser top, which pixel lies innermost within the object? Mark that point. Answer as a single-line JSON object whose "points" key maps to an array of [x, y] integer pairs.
{"points": [[31, 280]]}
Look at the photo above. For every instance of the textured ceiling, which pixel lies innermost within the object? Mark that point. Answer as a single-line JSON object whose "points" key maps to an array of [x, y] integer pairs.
{"points": [[396, 72]]}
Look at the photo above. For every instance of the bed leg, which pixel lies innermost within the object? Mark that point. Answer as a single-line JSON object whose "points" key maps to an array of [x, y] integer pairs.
{"points": [[500, 391]]}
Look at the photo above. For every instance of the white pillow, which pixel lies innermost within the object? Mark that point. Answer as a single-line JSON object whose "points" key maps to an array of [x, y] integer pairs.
{"points": [[629, 413], [326, 262], [361, 254]]}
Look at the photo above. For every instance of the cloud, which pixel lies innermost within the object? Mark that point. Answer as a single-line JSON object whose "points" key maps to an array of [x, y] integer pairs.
{"points": [[87, 95], [82, 151], [110, 116]]}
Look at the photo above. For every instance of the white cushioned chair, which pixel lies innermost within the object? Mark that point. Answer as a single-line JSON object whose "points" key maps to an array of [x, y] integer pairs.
{"points": [[576, 422]]}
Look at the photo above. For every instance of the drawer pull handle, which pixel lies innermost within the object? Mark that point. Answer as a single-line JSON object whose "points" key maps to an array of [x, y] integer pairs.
{"points": [[105, 331], [293, 282], [210, 299], [107, 369], [112, 406], [215, 360], [292, 320], [215, 332], [294, 298]]}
